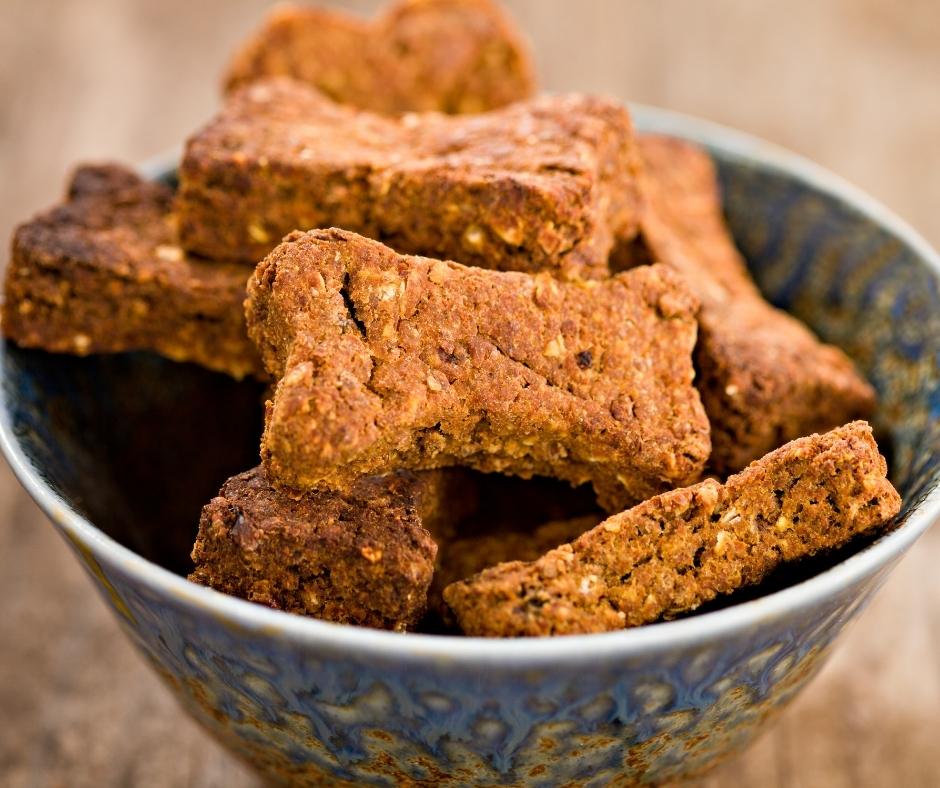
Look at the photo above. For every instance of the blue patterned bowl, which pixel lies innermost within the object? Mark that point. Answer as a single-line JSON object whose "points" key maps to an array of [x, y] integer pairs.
{"points": [[121, 452]]}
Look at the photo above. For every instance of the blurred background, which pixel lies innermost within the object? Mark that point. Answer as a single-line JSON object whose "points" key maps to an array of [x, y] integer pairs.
{"points": [[852, 84]]}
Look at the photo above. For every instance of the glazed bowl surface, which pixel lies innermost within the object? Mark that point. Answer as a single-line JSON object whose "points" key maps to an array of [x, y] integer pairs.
{"points": [[122, 451]]}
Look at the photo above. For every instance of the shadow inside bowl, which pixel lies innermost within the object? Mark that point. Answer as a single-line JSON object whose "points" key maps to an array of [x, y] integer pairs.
{"points": [[135, 443]]}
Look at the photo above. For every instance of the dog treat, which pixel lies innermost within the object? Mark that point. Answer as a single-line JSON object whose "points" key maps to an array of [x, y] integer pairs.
{"points": [[454, 56], [102, 273], [386, 361], [765, 378], [674, 552], [548, 184], [362, 557]]}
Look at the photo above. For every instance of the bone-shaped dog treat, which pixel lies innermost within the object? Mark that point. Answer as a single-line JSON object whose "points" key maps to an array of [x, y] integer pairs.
{"points": [[674, 552], [102, 273], [764, 377], [548, 184], [452, 56], [386, 361], [361, 557]]}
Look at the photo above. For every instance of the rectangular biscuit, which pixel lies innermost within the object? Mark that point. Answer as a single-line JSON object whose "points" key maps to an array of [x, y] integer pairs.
{"points": [[548, 184], [386, 361], [765, 378], [103, 273], [361, 557], [676, 551], [454, 56]]}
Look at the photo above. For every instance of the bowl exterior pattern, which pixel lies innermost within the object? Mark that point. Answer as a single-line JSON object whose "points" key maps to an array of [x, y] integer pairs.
{"points": [[858, 287], [301, 709], [309, 715]]}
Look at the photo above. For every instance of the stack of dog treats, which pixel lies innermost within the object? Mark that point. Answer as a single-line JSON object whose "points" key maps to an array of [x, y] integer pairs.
{"points": [[474, 283]]}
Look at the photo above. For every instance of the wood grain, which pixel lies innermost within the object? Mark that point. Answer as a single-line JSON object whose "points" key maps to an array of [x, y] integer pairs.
{"points": [[850, 83]]}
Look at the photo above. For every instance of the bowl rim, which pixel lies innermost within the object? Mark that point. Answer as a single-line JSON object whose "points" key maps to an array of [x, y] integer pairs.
{"points": [[524, 652]]}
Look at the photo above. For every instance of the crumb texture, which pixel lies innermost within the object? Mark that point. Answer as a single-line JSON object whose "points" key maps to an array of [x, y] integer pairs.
{"points": [[453, 56], [547, 184], [387, 361], [103, 273], [765, 378], [672, 553], [362, 557]]}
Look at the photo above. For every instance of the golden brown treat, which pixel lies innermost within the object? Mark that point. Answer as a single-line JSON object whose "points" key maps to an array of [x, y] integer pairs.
{"points": [[386, 361], [363, 557], [548, 184], [453, 56], [674, 552], [102, 273], [765, 378]]}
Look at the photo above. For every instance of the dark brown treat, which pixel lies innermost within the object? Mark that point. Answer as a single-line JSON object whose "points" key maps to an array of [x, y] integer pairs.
{"points": [[454, 56], [674, 552], [362, 557], [765, 378], [103, 273], [386, 361], [549, 184]]}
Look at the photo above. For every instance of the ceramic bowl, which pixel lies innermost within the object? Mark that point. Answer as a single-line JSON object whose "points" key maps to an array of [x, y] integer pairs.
{"points": [[121, 452]]}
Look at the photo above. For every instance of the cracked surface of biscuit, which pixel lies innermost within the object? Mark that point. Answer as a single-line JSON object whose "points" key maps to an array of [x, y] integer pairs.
{"points": [[674, 552], [765, 378], [103, 273], [360, 557], [386, 361], [547, 184], [454, 56]]}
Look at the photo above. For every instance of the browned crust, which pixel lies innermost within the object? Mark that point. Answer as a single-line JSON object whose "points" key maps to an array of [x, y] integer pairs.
{"points": [[454, 56], [362, 557], [674, 552], [765, 378], [387, 361], [548, 184], [103, 273]]}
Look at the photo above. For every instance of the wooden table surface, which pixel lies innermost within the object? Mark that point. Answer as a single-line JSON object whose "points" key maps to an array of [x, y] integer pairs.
{"points": [[850, 83]]}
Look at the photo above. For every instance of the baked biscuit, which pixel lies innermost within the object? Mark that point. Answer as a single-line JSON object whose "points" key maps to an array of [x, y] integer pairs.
{"points": [[103, 273], [765, 378], [548, 184], [386, 361], [362, 557], [453, 56], [676, 551]]}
